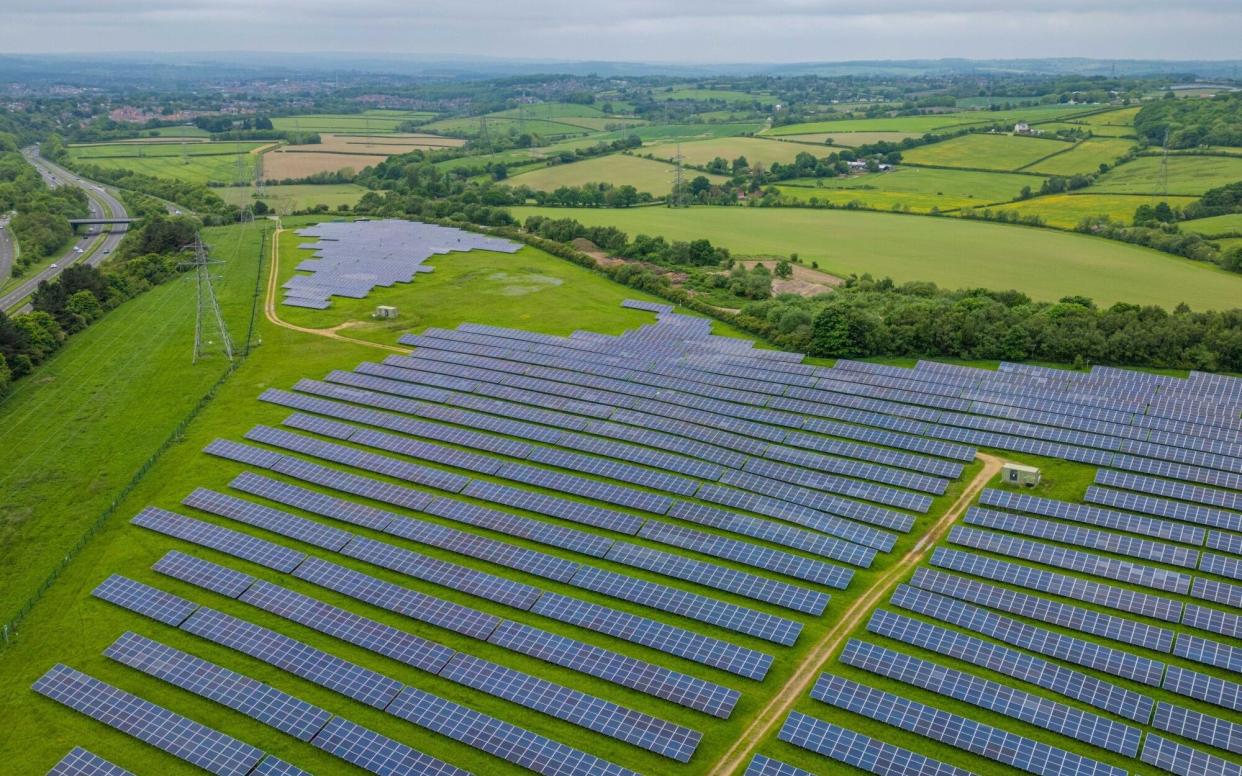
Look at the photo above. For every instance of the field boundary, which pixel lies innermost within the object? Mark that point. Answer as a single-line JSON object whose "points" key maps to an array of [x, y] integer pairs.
{"points": [[776, 709]]}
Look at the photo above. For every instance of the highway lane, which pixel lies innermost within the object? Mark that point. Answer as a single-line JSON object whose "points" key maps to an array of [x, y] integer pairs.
{"points": [[6, 248], [93, 246]]}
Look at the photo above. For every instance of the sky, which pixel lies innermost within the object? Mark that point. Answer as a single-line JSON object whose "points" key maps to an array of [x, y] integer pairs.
{"points": [[688, 31]]}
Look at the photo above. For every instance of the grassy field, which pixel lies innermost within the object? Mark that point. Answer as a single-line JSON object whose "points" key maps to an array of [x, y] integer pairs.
{"points": [[1097, 130], [281, 165], [180, 131], [985, 152], [222, 163], [1043, 263], [368, 121], [618, 169], [1186, 175], [934, 121], [284, 199], [1122, 117], [471, 127], [1215, 226], [756, 151], [727, 95], [919, 188], [1084, 158], [71, 427], [850, 139], [1067, 210]]}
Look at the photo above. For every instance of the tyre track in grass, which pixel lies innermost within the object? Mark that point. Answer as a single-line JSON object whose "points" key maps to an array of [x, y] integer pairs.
{"points": [[738, 755]]}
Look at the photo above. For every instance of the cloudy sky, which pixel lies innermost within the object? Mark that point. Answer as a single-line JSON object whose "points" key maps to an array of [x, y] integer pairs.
{"points": [[638, 30]]}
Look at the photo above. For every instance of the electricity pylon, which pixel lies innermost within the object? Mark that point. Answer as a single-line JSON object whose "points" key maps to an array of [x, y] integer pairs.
{"points": [[207, 308]]}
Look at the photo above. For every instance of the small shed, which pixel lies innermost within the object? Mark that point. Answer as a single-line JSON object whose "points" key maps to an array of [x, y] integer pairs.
{"points": [[1019, 474], [385, 311]]}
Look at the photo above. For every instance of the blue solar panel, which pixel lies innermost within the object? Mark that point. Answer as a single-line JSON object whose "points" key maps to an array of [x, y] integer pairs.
{"points": [[181, 737], [762, 765], [1184, 760], [80, 762], [1002, 699], [226, 540], [146, 600], [862, 752], [377, 753], [1211, 689]]}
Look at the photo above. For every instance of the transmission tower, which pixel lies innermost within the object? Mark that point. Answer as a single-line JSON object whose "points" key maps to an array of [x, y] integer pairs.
{"points": [[678, 197], [483, 137], [1164, 166], [207, 309]]}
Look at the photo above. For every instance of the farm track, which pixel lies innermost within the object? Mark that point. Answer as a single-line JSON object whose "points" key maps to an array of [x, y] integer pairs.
{"points": [[269, 307], [735, 758]]}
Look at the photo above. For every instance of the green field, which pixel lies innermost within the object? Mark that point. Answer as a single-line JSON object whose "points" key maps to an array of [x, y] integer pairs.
{"points": [[932, 121], [727, 95], [295, 197], [618, 169], [1186, 175], [919, 188], [985, 152], [1096, 130], [1226, 225], [1067, 210], [1044, 263], [472, 127], [381, 121], [222, 163], [1122, 117], [757, 151], [1084, 158], [850, 139], [179, 131]]}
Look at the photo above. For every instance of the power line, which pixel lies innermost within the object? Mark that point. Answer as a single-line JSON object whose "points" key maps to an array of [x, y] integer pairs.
{"points": [[207, 308]]}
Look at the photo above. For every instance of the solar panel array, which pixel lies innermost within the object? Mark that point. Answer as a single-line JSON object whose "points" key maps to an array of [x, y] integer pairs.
{"points": [[715, 493], [353, 257], [81, 762]]}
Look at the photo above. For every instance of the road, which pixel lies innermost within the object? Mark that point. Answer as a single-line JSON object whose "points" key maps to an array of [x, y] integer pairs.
{"points": [[6, 248], [96, 243]]}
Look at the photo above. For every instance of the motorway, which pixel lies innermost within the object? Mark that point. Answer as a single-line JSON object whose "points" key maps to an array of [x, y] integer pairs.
{"points": [[95, 244], [6, 248]]}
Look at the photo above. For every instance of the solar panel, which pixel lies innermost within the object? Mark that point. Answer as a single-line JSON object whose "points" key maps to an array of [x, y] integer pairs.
{"points": [[1087, 563], [1215, 590], [157, 604], [747, 553], [620, 669], [1230, 543], [692, 605], [377, 753], [1170, 489], [1198, 726], [1214, 620], [1183, 760], [201, 573], [862, 752], [1174, 510], [1222, 565], [553, 506], [226, 540], [1011, 662], [587, 711], [670, 639], [762, 765], [259, 516], [719, 577], [181, 737], [1211, 689], [255, 699], [967, 734], [509, 742], [80, 762], [298, 658], [1037, 608], [1058, 584], [274, 766], [1090, 538], [993, 696], [1085, 513], [1208, 652]]}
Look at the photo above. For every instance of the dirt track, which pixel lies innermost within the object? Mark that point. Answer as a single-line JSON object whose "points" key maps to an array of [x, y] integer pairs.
{"points": [[269, 307], [774, 712]]}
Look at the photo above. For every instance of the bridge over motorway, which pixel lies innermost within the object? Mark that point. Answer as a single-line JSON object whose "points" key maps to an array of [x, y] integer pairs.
{"points": [[76, 222]]}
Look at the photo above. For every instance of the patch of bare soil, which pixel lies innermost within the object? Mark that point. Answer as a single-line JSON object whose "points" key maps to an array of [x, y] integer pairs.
{"points": [[804, 281]]}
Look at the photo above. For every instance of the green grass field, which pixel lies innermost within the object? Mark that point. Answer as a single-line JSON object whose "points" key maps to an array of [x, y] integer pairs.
{"points": [[179, 131], [727, 95], [985, 152], [934, 121], [1186, 175], [849, 139], [919, 188], [618, 169], [380, 121], [756, 151], [1122, 117], [192, 162], [1097, 130], [1084, 158], [295, 197], [543, 128], [1067, 210], [1227, 225], [1044, 263]]}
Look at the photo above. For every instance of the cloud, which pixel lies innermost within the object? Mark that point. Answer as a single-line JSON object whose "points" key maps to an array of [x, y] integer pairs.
{"points": [[686, 31]]}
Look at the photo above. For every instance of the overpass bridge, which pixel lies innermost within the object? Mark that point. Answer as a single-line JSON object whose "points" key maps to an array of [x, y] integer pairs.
{"points": [[76, 222]]}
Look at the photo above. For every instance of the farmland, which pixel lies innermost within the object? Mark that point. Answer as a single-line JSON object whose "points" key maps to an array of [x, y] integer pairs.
{"points": [[196, 162], [619, 169], [1230, 224], [700, 152], [1082, 159], [932, 122], [918, 188], [1043, 263], [1186, 175], [849, 139], [282, 164], [366, 122], [985, 151], [1067, 210], [284, 199]]}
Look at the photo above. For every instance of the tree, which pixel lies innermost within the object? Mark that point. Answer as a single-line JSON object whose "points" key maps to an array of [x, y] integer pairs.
{"points": [[784, 269], [843, 331], [1232, 260]]}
